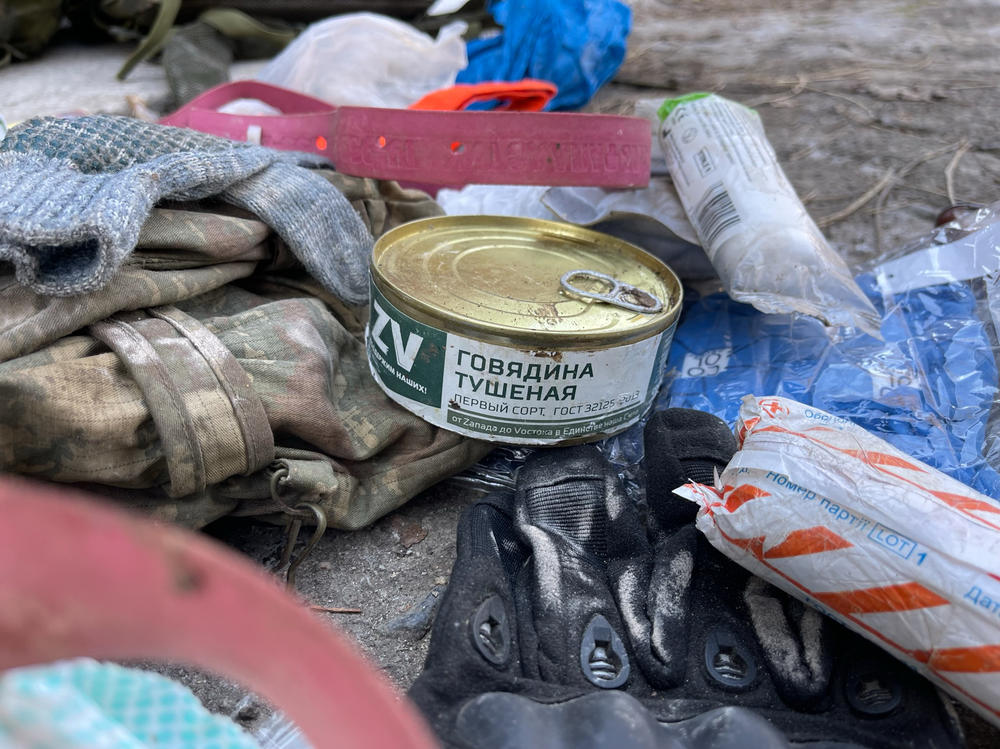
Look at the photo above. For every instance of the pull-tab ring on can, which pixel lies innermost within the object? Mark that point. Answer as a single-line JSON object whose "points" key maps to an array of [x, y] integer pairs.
{"points": [[619, 294]]}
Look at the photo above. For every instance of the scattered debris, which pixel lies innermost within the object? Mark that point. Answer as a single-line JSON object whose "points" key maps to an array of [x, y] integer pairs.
{"points": [[248, 713], [905, 170], [915, 92], [416, 622], [139, 109], [407, 532]]}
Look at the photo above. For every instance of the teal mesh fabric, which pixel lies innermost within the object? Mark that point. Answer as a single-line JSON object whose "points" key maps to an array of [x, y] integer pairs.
{"points": [[83, 704]]}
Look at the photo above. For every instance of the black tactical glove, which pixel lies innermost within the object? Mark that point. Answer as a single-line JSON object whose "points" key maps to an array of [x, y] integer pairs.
{"points": [[575, 618]]}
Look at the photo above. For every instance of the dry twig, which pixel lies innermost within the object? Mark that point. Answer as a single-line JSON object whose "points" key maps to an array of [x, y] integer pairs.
{"points": [[800, 86], [949, 172], [914, 188], [837, 74], [822, 141], [844, 97], [867, 195], [334, 610], [884, 195]]}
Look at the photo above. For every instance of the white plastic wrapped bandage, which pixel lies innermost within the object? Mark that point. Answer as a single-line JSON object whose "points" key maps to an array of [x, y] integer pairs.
{"points": [[893, 549]]}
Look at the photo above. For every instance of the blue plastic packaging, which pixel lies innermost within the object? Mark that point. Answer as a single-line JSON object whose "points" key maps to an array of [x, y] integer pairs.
{"points": [[929, 389]]}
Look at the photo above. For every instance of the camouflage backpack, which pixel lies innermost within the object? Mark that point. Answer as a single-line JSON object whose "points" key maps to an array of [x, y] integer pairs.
{"points": [[213, 376]]}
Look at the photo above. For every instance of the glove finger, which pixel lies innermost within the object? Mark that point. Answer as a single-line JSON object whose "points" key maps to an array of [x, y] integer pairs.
{"points": [[751, 645], [682, 445], [573, 633], [668, 606], [794, 641], [474, 644]]}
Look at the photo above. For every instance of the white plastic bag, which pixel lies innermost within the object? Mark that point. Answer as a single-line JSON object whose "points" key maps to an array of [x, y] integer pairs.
{"points": [[524, 201], [885, 544], [632, 215], [767, 250], [368, 60]]}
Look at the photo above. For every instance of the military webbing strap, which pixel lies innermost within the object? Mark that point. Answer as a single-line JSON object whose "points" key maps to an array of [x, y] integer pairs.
{"points": [[230, 22], [205, 433], [166, 14]]}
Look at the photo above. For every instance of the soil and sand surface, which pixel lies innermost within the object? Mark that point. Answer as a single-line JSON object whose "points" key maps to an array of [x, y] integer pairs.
{"points": [[882, 112]]}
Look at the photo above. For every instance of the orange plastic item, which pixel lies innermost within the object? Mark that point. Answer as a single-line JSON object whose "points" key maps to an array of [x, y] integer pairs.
{"points": [[528, 95]]}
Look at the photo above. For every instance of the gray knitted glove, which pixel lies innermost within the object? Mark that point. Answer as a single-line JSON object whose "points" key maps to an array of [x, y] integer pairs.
{"points": [[75, 192]]}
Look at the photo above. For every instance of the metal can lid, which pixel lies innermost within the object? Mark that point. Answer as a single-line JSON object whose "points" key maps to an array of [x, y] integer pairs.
{"points": [[528, 281]]}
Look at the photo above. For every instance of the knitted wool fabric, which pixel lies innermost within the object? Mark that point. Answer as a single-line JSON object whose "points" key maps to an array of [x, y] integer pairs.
{"points": [[75, 192]]}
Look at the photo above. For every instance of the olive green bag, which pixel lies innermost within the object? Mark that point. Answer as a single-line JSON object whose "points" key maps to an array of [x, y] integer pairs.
{"points": [[26, 26], [212, 376]]}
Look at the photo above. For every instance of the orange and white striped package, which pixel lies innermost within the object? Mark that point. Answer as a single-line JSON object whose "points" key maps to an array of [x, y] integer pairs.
{"points": [[887, 545]]}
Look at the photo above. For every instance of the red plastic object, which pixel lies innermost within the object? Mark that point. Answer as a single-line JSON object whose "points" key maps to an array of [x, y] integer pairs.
{"points": [[527, 95], [82, 578], [441, 148]]}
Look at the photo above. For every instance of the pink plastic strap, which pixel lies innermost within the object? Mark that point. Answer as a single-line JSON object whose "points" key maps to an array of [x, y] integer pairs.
{"points": [[446, 148], [304, 124]]}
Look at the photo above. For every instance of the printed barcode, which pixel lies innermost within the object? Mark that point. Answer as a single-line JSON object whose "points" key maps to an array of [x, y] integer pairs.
{"points": [[715, 214]]}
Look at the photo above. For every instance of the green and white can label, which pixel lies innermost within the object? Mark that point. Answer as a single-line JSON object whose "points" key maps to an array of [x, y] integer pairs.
{"points": [[505, 394]]}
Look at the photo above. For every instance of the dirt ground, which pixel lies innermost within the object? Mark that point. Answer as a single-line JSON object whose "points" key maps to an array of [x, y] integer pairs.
{"points": [[883, 113]]}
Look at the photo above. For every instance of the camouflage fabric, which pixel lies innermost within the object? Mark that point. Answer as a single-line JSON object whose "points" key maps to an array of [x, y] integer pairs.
{"points": [[211, 364]]}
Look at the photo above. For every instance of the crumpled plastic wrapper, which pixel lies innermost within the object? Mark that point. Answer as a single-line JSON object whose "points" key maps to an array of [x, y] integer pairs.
{"points": [[368, 60]]}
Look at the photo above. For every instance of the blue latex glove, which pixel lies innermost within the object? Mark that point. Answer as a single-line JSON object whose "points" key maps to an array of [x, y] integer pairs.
{"points": [[576, 44]]}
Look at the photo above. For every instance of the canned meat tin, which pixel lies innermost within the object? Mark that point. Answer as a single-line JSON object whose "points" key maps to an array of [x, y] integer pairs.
{"points": [[519, 330]]}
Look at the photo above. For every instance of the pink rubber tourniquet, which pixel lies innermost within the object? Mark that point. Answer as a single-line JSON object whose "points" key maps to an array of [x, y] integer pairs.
{"points": [[82, 578], [443, 148]]}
